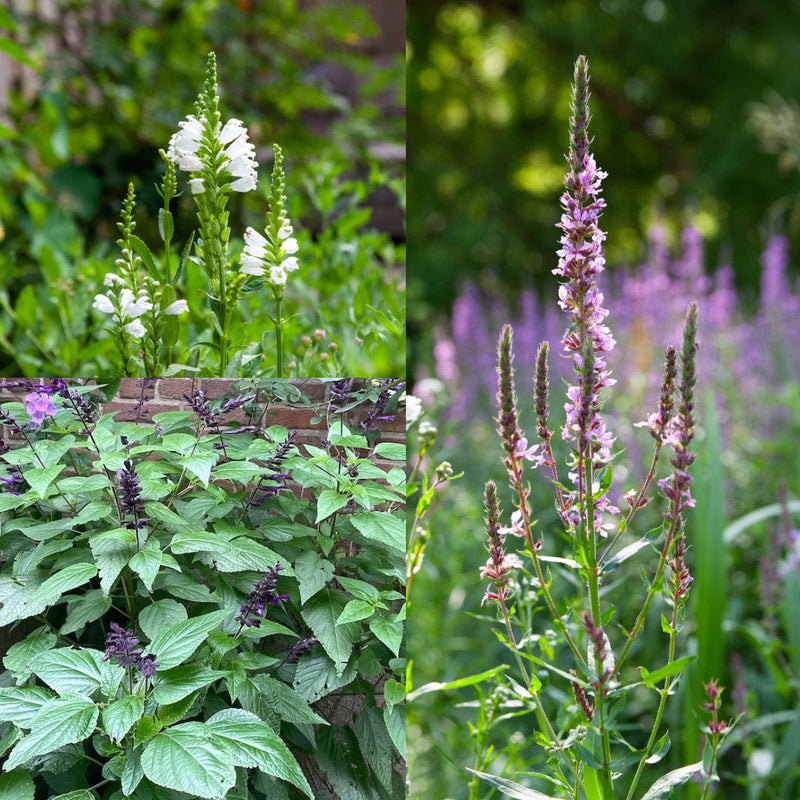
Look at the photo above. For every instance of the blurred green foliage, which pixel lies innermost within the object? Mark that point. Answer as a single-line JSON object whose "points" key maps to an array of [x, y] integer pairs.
{"points": [[113, 80], [672, 85]]}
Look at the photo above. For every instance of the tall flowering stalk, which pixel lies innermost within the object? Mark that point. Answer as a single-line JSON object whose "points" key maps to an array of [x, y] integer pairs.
{"points": [[272, 255], [583, 503], [221, 159]]}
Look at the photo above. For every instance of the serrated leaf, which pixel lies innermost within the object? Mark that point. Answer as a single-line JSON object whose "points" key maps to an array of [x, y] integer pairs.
{"points": [[146, 564], [245, 555], [376, 744], [356, 610], [17, 785], [21, 656], [200, 464], [284, 701], [84, 609], [67, 670], [122, 715], [112, 550], [316, 677], [395, 720], [186, 758], [328, 502], [41, 478], [173, 685], [160, 615], [393, 692], [389, 629], [177, 643], [21, 704], [382, 527], [313, 573], [132, 772], [320, 614], [252, 743], [391, 451], [62, 721]]}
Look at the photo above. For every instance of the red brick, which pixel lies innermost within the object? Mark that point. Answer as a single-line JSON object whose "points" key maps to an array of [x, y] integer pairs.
{"points": [[132, 387], [293, 417], [127, 411], [215, 388], [175, 388]]}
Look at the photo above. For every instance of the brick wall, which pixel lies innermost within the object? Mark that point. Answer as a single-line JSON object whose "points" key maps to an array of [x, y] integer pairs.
{"points": [[138, 400]]}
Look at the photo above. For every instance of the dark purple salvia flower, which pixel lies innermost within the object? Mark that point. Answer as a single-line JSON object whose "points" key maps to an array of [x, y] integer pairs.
{"points": [[122, 646], [273, 480], [13, 482], [213, 418], [587, 340], [497, 567], [340, 393], [377, 412], [81, 404], [263, 594], [293, 656], [130, 498]]}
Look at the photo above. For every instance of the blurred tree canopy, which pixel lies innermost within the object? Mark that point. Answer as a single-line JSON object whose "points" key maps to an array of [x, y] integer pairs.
{"points": [[672, 87]]}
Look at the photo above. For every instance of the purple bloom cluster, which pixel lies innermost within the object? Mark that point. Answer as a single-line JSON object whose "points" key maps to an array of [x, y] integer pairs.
{"points": [[263, 594], [273, 481], [130, 497], [213, 418], [123, 646]]}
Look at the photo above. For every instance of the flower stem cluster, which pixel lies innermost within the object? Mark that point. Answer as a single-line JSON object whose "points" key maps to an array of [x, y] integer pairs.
{"points": [[130, 499], [273, 481], [496, 568]]}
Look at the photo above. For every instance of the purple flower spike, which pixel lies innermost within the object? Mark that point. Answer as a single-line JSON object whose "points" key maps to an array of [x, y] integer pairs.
{"points": [[251, 614], [587, 340]]}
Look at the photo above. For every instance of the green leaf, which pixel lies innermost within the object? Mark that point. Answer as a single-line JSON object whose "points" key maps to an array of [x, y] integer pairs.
{"points": [[187, 758], [284, 701], [177, 643], [21, 704], [382, 527], [360, 589], [146, 563], [511, 789], [460, 683], [394, 692], [652, 678], [122, 715], [21, 656], [198, 542], [320, 614], [663, 786], [84, 609], [67, 670], [132, 772], [389, 629], [252, 743], [375, 744], [78, 794], [173, 685], [160, 615], [356, 610], [391, 451], [245, 555], [313, 573], [143, 251], [112, 550], [328, 502], [200, 464], [17, 786], [62, 721], [40, 478], [316, 677]]}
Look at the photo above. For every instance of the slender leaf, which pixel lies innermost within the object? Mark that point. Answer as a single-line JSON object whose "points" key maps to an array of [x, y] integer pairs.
{"points": [[663, 786]]}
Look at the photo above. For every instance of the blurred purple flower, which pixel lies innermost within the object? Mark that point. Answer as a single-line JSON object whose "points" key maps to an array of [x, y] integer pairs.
{"points": [[39, 405]]}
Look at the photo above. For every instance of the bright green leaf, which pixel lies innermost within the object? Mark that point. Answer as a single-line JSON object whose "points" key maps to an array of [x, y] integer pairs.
{"points": [[160, 615], [146, 563], [328, 502], [313, 573], [122, 715], [382, 527], [663, 786], [21, 656], [389, 629], [84, 609], [320, 614], [21, 704], [177, 643]]}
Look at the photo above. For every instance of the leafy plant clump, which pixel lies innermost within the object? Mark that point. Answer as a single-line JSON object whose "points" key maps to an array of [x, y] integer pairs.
{"points": [[204, 606]]}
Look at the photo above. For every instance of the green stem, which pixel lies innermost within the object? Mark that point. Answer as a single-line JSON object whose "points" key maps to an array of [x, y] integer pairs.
{"points": [[278, 340]]}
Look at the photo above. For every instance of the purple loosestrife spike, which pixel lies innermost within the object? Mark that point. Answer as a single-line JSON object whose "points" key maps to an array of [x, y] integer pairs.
{"points": [[677, 486], [681, 577], [658, 423], [496, 567], [541, 390], [580, 697], [508, 427], [580, 260]]}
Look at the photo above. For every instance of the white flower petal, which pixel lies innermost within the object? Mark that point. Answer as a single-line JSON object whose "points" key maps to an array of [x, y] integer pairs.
{"points": [[136, 329], [277, 276], [196, 185], [245, 184], [112, 278], [103, 304], [178, 307], [290, 264], [286, 230], [251, 268], [232, 129], [253, 238], [289, 246]]}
